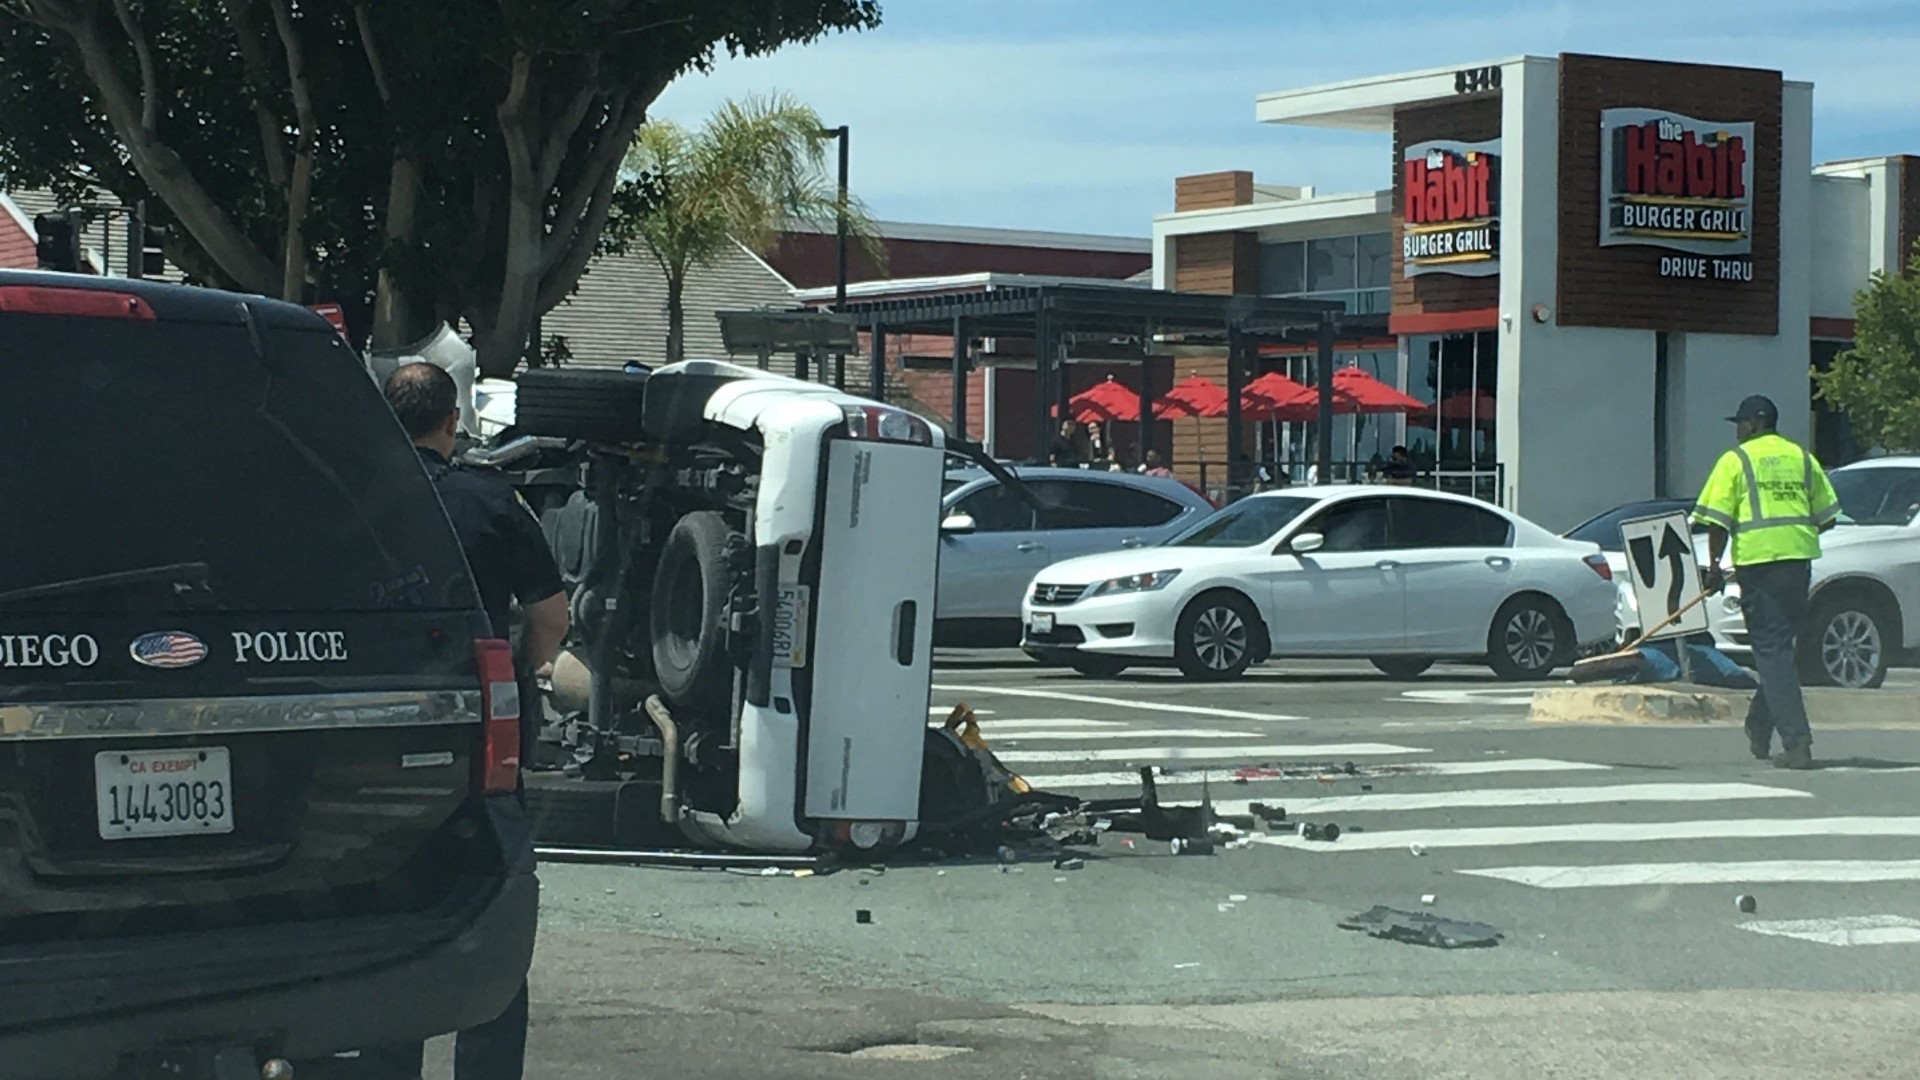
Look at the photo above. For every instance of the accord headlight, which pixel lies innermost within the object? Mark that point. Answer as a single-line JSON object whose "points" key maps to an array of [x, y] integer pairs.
{"points": [[1134, 583]]}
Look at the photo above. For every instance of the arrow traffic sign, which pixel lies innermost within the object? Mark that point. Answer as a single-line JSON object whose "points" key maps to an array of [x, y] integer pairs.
{"points": [[1663, 572]]}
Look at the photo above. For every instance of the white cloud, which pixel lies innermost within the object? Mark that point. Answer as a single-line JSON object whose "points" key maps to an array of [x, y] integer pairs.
{"points": [[1088, 131]]}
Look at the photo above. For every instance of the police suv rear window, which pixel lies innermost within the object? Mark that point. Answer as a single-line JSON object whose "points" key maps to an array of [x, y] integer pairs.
{"points": [[158, 462]]}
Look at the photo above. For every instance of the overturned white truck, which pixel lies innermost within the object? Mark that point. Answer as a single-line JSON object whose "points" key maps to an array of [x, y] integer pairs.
{"points": [[752, 561]]}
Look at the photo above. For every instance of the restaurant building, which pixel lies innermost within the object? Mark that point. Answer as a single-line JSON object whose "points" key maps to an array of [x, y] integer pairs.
{"points": [[1584, 263]]}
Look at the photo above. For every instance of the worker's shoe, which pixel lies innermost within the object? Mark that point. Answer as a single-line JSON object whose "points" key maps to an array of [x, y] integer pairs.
{"points": [[1794, 757], [1760, 746]]}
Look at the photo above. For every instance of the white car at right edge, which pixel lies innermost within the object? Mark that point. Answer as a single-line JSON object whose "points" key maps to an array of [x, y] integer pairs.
{"points": [[1865, 608]]}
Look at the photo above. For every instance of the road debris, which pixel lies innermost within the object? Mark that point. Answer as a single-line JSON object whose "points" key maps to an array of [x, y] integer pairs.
{"points": [[1427, 898], [1238, 898], [1223, 908], [863, 916], [1746, 903], [1183, 846], [1069, 862], [1416, 849], [1421, 928], [1328, 833], [1183, 967]]}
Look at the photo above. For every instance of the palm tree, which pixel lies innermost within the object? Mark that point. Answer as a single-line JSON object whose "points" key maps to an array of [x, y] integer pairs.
{"points": [[754, 168]]}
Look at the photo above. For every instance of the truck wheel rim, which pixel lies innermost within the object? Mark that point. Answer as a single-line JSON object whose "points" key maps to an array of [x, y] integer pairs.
{"points": [[1219, 638], [1530, 639], [1850, 648]]}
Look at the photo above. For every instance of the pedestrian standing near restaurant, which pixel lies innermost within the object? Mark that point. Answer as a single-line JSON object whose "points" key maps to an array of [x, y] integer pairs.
{"points": [[1065, 449], [1772, 499], [510, 561]]}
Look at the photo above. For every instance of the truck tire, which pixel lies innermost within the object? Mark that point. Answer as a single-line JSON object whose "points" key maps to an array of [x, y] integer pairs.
{"points": [[600, 406], [688, 617]]}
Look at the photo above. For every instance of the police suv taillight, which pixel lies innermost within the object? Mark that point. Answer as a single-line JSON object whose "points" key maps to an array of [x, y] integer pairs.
{"points": [[880, 423], [500, 715]]}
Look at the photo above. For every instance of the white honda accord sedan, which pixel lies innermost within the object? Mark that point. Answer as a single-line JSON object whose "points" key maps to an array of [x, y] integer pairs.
{"points": [[1399, 576]]}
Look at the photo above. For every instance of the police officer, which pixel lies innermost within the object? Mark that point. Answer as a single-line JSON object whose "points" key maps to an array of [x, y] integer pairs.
{"points": [[511, 562], [1774, 500]]}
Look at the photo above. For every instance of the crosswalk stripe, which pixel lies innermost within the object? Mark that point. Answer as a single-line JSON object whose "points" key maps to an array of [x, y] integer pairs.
{"points": [[1603, 832], [1845, 930], [1782, 871], [1487, 797], [1130, 733], [1163, 707], [1148, 755], [1224, 777], [944, 711]]}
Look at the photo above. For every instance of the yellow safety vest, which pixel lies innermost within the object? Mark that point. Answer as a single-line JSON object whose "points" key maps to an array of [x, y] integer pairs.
{"points": [[1772, 496]]}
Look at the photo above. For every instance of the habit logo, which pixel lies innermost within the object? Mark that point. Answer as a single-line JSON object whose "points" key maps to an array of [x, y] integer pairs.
{"points": [[1450, 195], [1676, 182]]}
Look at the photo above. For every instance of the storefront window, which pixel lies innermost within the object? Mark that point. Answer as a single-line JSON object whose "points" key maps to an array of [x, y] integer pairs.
{"points": [[1457, 375], [1283, 269], [1376, 261], [1330, 264]]}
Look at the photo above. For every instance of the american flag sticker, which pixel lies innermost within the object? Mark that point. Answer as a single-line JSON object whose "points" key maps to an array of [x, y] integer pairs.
{"points": [[168, 649]]}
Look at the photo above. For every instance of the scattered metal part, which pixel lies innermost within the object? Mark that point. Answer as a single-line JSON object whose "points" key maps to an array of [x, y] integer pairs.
{"points": [[863, 916], [1310, 831], [1427, 898], [1746, 903], [1267, 813], [1416, 849], [1422, 928], [1186, 846], [1067, 862]]}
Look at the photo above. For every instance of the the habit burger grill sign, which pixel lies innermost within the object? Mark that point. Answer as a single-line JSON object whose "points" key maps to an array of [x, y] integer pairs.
{"points": [[1675, 182], [1451, 219]]}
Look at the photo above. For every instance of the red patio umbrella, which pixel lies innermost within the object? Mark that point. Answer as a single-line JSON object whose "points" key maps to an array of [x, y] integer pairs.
{"points": [[1362, 393], [1105, 402], [1270, 396], [1193, 396]]}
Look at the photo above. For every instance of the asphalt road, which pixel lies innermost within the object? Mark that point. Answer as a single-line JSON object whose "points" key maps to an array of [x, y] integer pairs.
{"points": [[1608, 858]]}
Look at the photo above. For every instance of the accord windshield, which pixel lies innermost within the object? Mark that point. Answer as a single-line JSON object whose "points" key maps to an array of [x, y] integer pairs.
{"points": [[1245, 523]]}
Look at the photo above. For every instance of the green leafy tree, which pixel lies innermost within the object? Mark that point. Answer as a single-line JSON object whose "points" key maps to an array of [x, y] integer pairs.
{"points": [[414, 160], [753, 169], [1877, 381]]}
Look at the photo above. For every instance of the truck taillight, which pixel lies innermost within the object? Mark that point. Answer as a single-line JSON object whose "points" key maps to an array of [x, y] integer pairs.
{"points": [[500, 713], [882, 423]]}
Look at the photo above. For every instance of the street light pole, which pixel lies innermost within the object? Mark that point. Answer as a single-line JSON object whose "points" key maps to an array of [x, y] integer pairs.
{"points": [[840, 134]]}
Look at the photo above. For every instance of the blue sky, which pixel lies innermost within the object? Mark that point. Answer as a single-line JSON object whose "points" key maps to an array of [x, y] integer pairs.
{"points": [[1076, 115]]}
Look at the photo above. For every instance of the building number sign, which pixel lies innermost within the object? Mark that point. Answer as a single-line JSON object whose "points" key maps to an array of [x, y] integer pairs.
{"points": [[1475, 80]]}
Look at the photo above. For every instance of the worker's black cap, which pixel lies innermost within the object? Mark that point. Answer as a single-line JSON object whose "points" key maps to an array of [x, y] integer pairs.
{"points": [[1757, 407]]}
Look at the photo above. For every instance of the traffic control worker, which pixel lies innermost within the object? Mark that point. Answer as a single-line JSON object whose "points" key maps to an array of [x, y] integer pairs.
{"points": [[1773, 499]]}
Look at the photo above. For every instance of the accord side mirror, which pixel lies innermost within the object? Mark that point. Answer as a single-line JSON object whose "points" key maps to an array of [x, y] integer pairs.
{"points": [[958, 524], [1306, 543]]}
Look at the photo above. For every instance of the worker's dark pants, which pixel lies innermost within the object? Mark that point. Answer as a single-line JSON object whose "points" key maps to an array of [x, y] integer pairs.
{"points": [[497, 1049], [1774, 597]]}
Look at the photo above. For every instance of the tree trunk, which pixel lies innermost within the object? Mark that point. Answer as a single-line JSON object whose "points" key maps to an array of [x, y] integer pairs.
{"points": [[392, 310], [676, 318]]}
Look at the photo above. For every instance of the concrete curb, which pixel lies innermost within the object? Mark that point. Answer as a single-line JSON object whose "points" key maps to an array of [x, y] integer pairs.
{"points": [[1826, 707]]}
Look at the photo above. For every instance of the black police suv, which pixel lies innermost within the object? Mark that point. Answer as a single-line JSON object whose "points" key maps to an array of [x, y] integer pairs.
{"points": [[258, 752]]}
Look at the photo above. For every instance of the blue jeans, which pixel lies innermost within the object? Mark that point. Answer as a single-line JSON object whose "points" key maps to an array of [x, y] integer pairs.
{"points": [[1774, 597]]}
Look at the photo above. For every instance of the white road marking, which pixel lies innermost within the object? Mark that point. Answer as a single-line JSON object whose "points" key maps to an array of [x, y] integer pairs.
{"points": [[1470, 697], [946, 711], [1119, 703], [1870, 769], [1012, 727], [1553, 796], [1150, 755], [1706, 873], [1023, 734], [1846, 930], [1605, 832], [1082, 781]]}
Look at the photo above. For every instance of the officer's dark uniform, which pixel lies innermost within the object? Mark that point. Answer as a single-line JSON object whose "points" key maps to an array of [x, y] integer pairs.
{"points": [[510, 561]]}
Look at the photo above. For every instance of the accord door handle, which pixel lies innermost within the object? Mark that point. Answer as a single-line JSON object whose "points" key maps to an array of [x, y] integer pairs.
{"points": [[1133, 542], [1387, 564], [1499, 562], [1026, 545]]}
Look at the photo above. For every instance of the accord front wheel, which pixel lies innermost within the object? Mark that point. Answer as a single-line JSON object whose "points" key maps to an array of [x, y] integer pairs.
{"points": [[1216, 637]]}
